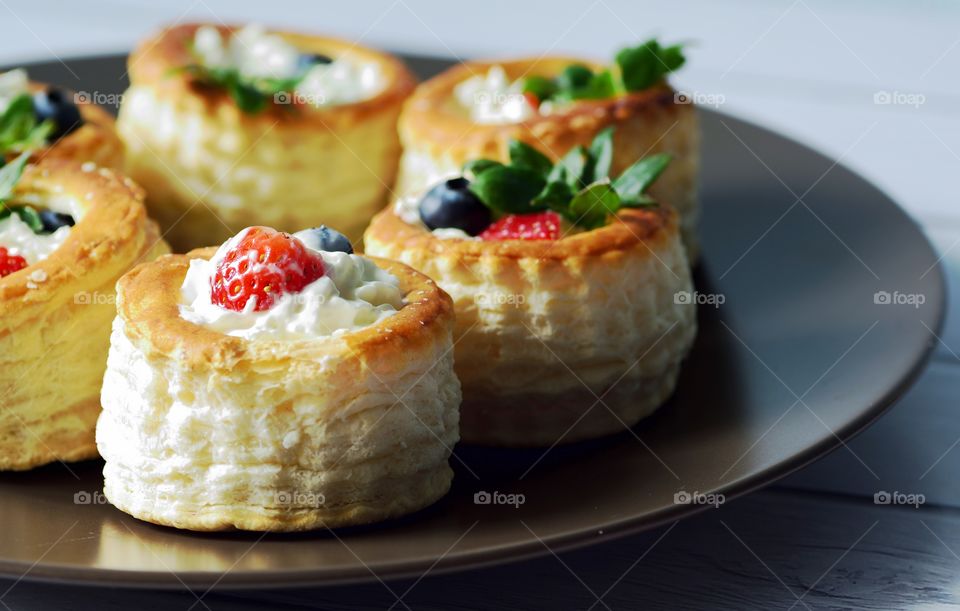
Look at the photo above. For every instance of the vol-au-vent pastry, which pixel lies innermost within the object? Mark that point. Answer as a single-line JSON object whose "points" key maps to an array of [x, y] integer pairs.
{"points": [[278, 383], [474, 109], [229, 127], [568, 287], [68, 231], [54, 123]]}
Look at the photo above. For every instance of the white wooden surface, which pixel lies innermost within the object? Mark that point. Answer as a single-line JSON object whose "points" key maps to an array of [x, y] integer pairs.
{"points": [[809, 68]]}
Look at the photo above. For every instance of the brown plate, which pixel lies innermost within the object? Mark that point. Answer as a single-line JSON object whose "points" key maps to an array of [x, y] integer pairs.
{"points": [[801, 354]]}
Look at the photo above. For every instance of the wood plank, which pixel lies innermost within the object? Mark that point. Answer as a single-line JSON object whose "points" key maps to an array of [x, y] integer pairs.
{"points": [[761, 552]]}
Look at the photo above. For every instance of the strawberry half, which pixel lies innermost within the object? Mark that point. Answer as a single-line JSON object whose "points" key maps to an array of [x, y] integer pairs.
{"points": [[535, 226], [264, 264], [10, 263]]}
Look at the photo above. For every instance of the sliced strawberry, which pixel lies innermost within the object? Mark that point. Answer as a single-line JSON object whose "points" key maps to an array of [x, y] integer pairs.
{"points": [[535, 226], [264, 264], [10, 263]]}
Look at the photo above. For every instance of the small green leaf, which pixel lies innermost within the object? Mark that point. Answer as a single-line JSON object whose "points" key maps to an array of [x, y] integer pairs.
{"points": [[573, 168], [247, 98], [590, 207], [508, 189], [540, 86], [10, 174], [29, 216], [645, 65], [574, 76], [555, 195], [599, 87], [634, 181], [522, 155], [601, 153], [478, 166]]}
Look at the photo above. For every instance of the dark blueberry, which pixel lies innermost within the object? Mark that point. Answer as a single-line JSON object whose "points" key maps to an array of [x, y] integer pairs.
{"points": [[309, 60], [330, 240], [452, 204], [55, 220], [57, 105]]}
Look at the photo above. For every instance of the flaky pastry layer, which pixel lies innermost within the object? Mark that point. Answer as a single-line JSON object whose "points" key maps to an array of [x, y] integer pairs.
{"points": [[56, 313], [211, 170], [205, 431], [558, 340], [438, 134]]}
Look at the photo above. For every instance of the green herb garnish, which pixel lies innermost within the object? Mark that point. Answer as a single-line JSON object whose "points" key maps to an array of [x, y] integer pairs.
{"points": [[578, 186], [19, 128], [637, 68], [251, 95], [10, 174]]}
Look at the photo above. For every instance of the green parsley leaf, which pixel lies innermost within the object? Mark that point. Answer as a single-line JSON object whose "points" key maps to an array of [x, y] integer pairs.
{"points": [[522, 155], [29, 216], [572, 168], [19, 130], [10, 174], [540, 86], [574, 76], [590, 207], [645, 65], [555, 195], [508, 189], [601, 154], [635, 180], [478, 166]]}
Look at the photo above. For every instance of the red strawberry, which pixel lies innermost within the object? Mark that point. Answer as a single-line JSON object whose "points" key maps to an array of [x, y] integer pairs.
{"points": [[265, 264], [535, 226], [10, 263]]}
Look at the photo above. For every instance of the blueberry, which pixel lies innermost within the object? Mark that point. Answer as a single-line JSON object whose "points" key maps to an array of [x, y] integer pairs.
{"points": [[56, 105], [309, 60], [452, 204], [55, 220], [324, 238]]}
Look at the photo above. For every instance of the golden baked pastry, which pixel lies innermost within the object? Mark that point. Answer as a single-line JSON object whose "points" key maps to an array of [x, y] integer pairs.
{"points": [[438, 133], [210, 168], [56, 310], [558, 340], [205, 430], [89, 136]]}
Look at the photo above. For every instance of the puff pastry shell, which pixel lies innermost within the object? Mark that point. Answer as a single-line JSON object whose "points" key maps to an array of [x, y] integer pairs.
{"points": [[56, 313], [206, 431], [210, 169], [562, 340]]}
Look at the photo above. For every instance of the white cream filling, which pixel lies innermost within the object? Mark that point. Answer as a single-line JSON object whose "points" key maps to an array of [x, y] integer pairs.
{"points": [[17, 237], [408, 209], [12, 84], [492, 98], [255, 53], [352, 294]]}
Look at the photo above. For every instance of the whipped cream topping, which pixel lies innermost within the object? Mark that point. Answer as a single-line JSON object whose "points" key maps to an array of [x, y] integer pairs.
{"points": [[255, 53], [17, 237], [12, 84], [408, 209], [352, 294], [492, 98]]}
